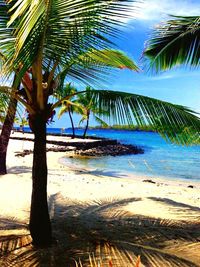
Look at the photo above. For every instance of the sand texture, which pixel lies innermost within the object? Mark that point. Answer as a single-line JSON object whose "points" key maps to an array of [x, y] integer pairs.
{"points": [[99, 218]]}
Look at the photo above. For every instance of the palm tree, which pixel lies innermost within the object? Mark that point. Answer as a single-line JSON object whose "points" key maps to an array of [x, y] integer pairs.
{"points": [[7, 121], [175, 42], [39, 38], [37, 35], [6, 131], [87, 107], [68, 105]]}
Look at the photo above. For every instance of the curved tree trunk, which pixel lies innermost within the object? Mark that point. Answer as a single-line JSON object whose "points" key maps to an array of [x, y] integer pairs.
{"points": [[87, 124], [40, 225], [72, 123], [5, 134]]}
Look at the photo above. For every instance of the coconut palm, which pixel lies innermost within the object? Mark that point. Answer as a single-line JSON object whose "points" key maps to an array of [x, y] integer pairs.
{"points": [[67, 105], [39, 38], [175, 42], [7, 121], [7, 126], [87, 107]]}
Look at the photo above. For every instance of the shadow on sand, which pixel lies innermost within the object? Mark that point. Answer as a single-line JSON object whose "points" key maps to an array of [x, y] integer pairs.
{"points": [[19, 170], [102, 232], [100, 172]]}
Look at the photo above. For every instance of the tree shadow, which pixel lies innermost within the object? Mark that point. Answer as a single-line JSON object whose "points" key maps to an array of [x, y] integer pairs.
{"points": [[102, 233]]}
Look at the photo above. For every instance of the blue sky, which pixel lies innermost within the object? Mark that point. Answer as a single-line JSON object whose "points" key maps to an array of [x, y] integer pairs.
{"points": [[181, 86]]}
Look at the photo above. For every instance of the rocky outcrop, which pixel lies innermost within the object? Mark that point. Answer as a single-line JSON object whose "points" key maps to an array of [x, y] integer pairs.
{"points": [[109, 150], [82, 147]]}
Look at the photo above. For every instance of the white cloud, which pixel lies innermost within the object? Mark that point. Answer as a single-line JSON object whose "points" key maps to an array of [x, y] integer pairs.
{"points": [[162, 77], [157, 10]]}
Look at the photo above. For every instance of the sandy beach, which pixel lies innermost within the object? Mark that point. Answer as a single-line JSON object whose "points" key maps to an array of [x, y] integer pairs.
{"points": [[165, 200]]}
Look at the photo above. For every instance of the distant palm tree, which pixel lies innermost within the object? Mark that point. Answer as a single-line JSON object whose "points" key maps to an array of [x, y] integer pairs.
{"points": [[87, 107], [96, 61], [175, 42], [68, 105]]}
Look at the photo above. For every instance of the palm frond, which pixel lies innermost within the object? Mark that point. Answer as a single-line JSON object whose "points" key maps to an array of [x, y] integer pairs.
{"points": [[60, 28], [94, 65], [175, 42], [62, 111], [108, 58], [100, 121], [176, 123], [4, 102]]}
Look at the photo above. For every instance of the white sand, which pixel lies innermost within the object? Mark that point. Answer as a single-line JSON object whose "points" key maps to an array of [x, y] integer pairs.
{"points": [[165, 199]]}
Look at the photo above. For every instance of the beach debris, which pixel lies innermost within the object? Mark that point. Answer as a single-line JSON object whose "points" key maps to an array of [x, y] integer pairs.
{"points": [[138, 261], [190, 186], [148, 181], [23, 153]]}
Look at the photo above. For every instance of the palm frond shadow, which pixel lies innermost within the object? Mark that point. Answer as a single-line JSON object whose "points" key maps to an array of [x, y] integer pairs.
{"points": [[99, 173], [14, 236], [182, 210], [101, 233]]}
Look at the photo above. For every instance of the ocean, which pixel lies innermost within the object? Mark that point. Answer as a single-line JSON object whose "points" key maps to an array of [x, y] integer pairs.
{"points": [[159, 159]]}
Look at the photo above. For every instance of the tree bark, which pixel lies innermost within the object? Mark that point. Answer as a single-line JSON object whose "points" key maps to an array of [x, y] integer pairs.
{"points": [[72, 123], [40, 225], [5, 134]]}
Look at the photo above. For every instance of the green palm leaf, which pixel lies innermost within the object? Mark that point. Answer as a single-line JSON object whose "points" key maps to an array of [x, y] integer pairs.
{"points": [[107, 57], [174, 122], [94, 65], [59, 28], [4, 101], [174, 43]]}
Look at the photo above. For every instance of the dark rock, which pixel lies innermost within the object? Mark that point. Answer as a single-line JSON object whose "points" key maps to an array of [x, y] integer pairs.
{"points": [[190, 186], [149, 181], [110, 150]]}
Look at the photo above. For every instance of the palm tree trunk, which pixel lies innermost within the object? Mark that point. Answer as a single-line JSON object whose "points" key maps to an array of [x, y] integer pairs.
{"points": [[40, 225], [72, 123], [87, 124], [5, 134]]}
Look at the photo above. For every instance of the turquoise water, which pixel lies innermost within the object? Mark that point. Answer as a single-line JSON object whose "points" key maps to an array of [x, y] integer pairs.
{"points": [[159, 159]]}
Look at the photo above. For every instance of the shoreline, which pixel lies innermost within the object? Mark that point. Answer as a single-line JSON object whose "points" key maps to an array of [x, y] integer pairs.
{"points": [[132, 175], [77, 152], [81, 184], [71, 152]]}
